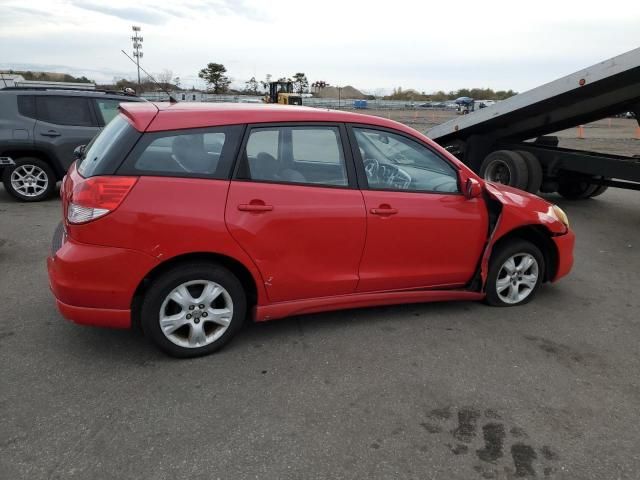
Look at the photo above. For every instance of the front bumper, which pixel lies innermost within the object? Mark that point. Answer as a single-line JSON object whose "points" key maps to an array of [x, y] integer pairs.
{"points": [[93, 284], [564, 244]]}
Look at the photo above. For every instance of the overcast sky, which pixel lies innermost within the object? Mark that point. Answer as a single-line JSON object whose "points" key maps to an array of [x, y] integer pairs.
{"points": [[426, 45]]}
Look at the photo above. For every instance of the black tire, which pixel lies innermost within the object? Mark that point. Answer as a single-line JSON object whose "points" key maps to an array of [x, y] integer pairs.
{"points": [[508, 166], [161, 287], [39, 165], [600, 189], [499, 257], [534, 171], [576, 189]]}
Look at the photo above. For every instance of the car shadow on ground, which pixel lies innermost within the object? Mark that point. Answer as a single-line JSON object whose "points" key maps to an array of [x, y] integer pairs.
{"points": [[132, 347]]}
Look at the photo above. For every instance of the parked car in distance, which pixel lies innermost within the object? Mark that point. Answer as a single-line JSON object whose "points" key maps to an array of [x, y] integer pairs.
{"points": [[39, 129], [186, 219]]}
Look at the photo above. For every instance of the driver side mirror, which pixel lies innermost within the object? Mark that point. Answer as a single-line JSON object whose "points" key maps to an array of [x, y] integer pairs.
{"points": [[472, 188], [78, 152]]}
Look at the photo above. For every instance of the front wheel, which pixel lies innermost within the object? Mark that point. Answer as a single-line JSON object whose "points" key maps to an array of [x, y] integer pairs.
{"points": [[29, 180], [516, 271], [193, 309]]}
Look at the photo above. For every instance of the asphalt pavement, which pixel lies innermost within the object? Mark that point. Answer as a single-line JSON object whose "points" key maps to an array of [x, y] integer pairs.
{"points": [[429, 391]]}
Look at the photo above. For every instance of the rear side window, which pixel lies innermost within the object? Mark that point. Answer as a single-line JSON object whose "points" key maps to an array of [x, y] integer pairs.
{"points": [[27, 106], [309, 155], [108, 109], [65, 110], [107, 150], [199, 153]]}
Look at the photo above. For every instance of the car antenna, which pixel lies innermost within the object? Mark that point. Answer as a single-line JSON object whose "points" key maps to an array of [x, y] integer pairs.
{"points": [[171, 99]]}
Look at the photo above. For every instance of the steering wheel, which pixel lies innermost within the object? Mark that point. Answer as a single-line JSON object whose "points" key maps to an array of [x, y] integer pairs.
{"points": [[371, 167]]}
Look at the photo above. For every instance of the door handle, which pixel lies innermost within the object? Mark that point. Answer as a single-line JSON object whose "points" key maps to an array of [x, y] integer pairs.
{"points": [[384, 210], [50, 133], [255, 207]]}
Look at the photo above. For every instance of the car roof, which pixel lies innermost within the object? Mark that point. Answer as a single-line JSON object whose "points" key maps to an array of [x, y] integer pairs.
{"points": [[162, 116]]}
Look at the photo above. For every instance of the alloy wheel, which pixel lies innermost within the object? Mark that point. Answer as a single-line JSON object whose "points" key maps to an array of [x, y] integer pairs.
{"points": [[196, 313], [517, 278], [29, 180]]}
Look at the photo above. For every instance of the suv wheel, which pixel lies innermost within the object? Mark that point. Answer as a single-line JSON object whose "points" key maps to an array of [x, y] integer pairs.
{"points": [[29, 180], [516, 271], [193, 309]]}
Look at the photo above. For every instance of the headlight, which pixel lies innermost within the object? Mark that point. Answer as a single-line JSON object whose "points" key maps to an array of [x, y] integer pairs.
{"points": [[560, 215]]}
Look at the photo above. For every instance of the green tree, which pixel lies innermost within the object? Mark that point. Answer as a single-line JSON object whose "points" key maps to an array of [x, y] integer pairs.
{"points": [[214, 75]]}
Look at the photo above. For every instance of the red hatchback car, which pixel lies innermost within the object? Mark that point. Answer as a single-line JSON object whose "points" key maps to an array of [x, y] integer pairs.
{"points": [[188, 218]]}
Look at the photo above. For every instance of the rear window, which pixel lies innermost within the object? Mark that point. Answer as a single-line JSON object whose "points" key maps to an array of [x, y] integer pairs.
{"points": [[199, 153], [107, 150]]}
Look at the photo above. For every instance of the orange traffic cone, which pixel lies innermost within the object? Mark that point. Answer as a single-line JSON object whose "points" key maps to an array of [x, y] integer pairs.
{"points": [[581, 132]]}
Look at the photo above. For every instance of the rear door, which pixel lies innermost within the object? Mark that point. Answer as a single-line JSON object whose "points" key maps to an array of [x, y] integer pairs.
{"points": [[294, 208], [63, 124]]}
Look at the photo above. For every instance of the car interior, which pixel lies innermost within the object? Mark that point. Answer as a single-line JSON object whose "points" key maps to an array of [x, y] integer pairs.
{"points": [[280, 155], [198, 153]]}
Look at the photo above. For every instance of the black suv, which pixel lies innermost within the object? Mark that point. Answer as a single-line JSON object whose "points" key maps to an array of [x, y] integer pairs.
{"points": [[41, 127]]}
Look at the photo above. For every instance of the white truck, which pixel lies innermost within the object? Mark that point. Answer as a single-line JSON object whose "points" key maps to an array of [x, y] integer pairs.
{"points": [[509, 142]]}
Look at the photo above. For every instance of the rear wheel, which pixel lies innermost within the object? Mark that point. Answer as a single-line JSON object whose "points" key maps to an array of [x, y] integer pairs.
{"points": [[576, 189], [29, 180], [534, 171], [506, 167], [516, 271], [193, 309]]}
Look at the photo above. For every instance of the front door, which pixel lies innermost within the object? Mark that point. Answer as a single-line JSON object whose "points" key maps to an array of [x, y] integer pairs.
{"points": [[421, 231], [292, 207]]}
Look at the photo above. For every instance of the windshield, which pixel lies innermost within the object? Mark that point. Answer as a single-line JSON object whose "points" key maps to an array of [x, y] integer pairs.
{"points": [[106, 151]]}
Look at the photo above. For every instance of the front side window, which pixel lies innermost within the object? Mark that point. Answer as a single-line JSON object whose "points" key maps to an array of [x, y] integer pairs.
{"points": [[301, 154], [108, 109], [65, 110], [192, 153], [395, 162]]}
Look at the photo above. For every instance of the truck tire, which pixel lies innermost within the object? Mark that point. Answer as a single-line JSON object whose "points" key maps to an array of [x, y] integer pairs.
{"points": [[599, 191], [29, 180], [506, 167], [576, 189], [534, 170]]}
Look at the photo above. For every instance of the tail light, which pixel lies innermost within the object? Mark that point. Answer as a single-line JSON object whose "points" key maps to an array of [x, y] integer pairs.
{"points": [[96, 196]]}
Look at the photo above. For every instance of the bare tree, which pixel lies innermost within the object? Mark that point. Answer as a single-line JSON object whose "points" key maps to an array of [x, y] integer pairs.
{"points": [[164, 78]]}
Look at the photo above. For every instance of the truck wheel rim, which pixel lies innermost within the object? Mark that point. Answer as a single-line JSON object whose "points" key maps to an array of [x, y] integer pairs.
{"points": [[196, 313], [517, 278], [499, 172], [29, 180]]}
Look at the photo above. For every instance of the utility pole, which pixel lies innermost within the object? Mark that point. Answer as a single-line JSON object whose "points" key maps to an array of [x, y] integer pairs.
{"points": [[137, 49]]}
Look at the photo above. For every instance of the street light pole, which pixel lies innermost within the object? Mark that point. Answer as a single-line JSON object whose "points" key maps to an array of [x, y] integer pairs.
{"points": [[137, 49]]}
